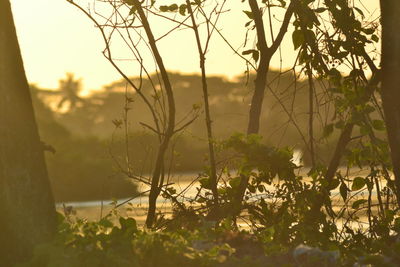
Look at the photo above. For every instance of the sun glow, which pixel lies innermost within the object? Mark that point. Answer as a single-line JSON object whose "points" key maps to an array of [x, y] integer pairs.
{"points": [[56, 38]]}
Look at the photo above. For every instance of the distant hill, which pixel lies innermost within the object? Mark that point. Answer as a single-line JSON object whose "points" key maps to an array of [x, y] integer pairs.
{"points": [[284, 118]]}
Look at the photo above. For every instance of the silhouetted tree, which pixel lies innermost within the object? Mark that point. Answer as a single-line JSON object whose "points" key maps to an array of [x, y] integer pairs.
{"points": [[70, 89], [391, 80], [26, 203]]}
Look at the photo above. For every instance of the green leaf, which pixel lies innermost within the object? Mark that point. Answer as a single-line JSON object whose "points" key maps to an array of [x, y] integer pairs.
{"points": [[378, 125], [304, 56], [358, 183], [368, 109], [256, 55], [235, 182], [249, 14], [252, 189], [368, 30], [390, 215], [375, 38], [333, 184], [105, 223], [343, 191], [170, 8], [358, 203], [341, 55], [128, 223], [205, 183], [310, 36], [173, 7], [171, 190], [298, 39], [164, 8], [182, 9], [260, 188]]}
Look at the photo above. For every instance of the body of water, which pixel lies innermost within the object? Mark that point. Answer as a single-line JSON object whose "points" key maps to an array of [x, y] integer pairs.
{"points": [[185, 183]]}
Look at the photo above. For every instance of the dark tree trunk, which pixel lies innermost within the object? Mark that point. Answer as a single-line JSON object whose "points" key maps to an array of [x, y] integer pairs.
{"points": [[260, 81], [27, 213], [157, 181], [262, 71], [266, 53], [390, 10]]}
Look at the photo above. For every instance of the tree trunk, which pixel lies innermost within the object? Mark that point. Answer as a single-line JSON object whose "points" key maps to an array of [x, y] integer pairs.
{"points": [[260, 81], [213, 165], [26, 203], [158, 172], [390, 10], [262, 71]]}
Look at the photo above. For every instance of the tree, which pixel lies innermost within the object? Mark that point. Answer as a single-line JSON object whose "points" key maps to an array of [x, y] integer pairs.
{"points": [[260, 82], [266, 54], [335, 60], [26, 203], [202, 55], [163, 107], [70, 89], [391, 81], [161, 103]]}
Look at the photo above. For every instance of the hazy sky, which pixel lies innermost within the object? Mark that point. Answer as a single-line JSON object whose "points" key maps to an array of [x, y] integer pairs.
{"points": [[56, 38]]}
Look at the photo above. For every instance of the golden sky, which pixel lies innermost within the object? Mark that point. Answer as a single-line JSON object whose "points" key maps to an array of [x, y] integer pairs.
{"points": [[56, 38]]}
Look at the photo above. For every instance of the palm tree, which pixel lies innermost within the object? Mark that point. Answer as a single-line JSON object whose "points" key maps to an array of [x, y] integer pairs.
{"points": [[70, 89]]}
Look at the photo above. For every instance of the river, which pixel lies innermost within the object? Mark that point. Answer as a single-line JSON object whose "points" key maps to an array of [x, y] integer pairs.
{"points": [[136, 207]]}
